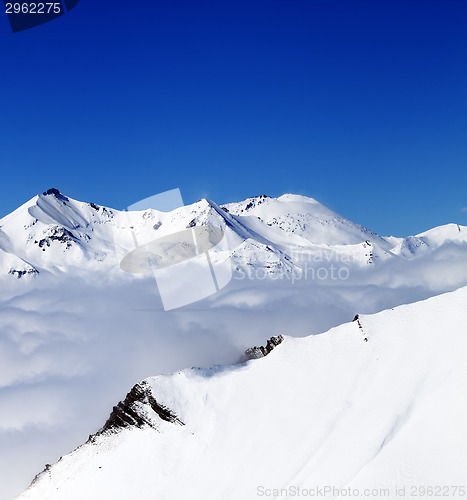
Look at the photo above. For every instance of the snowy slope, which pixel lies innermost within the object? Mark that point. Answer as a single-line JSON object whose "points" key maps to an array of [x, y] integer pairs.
{"points": [[304, 217], [377, 403]]}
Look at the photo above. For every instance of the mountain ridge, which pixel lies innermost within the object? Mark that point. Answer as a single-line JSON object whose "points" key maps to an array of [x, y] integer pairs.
{"points": [[345, 377], [53, 231]]}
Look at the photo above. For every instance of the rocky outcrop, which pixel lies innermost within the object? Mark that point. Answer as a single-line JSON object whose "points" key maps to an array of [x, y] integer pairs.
{"points": [[138, 409], [56, 233], [360, 326], [55, 192], [19, 273], [260, 352]]}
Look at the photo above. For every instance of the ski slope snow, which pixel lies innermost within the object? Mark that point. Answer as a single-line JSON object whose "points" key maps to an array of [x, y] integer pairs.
{"points": [[374, 405]]}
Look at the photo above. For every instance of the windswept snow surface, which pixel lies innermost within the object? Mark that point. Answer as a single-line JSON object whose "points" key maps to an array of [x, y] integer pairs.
{"points": [[76, 331], [374, 405]]}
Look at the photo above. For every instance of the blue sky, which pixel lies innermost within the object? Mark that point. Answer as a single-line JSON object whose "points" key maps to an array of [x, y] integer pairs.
{"points": [[359, 104]]}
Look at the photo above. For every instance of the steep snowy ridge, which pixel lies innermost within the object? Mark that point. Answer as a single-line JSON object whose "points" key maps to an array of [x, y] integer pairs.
{"points": [[377, 403], [53, 230]]}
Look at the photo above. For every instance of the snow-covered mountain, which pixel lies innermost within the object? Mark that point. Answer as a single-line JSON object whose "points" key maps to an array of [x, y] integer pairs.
{"points": [[55, 234], [376, 405], [76, 331]]}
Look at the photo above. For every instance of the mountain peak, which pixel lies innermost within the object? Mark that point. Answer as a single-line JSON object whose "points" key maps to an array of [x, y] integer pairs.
{"points": [[56, 193], [297, 197]]}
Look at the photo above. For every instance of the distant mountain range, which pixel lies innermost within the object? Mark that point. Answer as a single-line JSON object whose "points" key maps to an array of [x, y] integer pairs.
{"points": [[55, 234]]}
